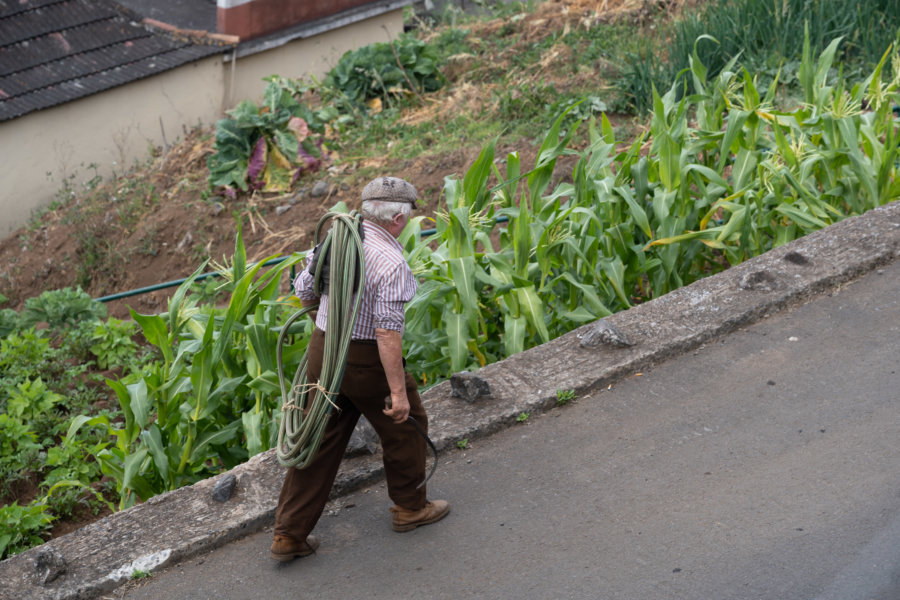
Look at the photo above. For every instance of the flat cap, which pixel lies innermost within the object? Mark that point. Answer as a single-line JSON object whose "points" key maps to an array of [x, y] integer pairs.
{"points": [[390, 189]]}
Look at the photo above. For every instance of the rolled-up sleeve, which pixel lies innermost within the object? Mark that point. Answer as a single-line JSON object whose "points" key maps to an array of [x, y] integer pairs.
{"points": [[396, 288]]}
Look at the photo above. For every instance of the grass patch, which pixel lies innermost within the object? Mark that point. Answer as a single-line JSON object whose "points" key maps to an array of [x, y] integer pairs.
{"points": [[766, 36]]}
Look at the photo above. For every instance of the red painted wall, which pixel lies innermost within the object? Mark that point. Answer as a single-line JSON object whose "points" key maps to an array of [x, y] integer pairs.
{"points": [[260, 17]]}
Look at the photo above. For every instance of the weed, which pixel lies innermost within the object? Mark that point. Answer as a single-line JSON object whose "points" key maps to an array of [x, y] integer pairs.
{"points": [[67, 483], [140, 574], [452, 41], [510, 10], [380, 70], [25, 353], [522, 106], [462, 444], [149, 245], [564, 397], [95, 253], [18, 447], [200, 247], [208, 290], [35, 404], [522, 417], [134, 199]]}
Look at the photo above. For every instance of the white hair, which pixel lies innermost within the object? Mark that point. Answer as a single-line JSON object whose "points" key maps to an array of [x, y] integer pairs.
{"points": [[382, 212]]}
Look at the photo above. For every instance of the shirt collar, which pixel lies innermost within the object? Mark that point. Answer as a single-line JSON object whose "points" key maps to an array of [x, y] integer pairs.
{"points": [[380, 232]]}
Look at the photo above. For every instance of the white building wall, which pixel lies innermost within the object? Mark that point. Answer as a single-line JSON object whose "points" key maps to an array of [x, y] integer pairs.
{"points": [[311, 56], [115, 129]]}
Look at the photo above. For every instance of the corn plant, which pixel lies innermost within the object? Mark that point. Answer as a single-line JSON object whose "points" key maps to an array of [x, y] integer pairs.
{"points": [[518, 259], [208, 403], [727, 177]]}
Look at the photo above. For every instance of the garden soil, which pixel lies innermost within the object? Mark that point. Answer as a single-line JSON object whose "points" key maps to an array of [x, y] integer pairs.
{"points": [[95, 247]]}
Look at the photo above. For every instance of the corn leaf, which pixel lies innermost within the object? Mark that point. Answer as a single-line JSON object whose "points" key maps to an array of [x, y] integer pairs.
{"points": [[153, 438], [533, 310], [462, 270], [475, 180], [514, 333], [457, 329]]}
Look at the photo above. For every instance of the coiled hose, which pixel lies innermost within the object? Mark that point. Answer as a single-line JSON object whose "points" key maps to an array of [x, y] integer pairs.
{"points": [[306, 406]]}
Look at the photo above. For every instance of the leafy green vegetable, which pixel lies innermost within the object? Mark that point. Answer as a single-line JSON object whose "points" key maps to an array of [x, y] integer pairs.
{"points": [[21, 527], [113, 344], [373, 71], [267, 147], [61, 308]]}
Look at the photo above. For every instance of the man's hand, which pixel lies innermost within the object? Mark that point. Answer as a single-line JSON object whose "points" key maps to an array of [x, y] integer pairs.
{"points": [[390, 350], [398, 409]]}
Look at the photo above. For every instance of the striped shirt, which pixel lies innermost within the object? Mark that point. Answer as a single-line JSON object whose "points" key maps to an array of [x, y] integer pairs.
{"points": [[389, 286]]}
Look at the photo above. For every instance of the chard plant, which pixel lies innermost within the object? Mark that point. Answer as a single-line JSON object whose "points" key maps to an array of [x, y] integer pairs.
{"points": [[268, 147]]}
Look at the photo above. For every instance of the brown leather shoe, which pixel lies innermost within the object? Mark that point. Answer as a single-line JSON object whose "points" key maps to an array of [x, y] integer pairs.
{"points": [[286, 549], [403, 519]]}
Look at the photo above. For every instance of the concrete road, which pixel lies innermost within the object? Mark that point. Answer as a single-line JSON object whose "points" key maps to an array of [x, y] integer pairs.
{"points": [[765, 465]]}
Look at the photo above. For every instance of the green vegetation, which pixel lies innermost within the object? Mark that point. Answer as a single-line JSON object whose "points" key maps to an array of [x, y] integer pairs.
{"points": [[61, 308], [209, 401], [766, 37], [267, 147], [384, 71], [520, 254], [21, 527], [563, 397], [734, 180], [113, 344], [45, 380]]}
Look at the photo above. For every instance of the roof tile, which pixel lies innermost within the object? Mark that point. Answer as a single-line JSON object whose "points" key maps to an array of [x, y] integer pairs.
{"points": [[80, 87], [54, 51], [53, 17], [59, 44]]}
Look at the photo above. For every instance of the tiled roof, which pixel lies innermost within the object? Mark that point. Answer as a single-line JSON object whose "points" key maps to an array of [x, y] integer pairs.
{"points": [[54, 51]]}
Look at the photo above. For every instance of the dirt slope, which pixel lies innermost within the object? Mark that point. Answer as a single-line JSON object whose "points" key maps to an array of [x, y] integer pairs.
{"points": [[158, 222]]}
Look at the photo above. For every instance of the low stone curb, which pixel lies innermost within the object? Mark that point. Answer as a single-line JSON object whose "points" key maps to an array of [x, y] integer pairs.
{"points": [[182, 523]]}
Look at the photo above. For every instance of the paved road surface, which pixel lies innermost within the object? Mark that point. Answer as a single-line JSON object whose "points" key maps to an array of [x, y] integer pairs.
{"points": [[762, 466]]}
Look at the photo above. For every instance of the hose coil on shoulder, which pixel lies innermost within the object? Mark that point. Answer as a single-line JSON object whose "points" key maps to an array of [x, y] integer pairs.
{"points": [[306, 407]]}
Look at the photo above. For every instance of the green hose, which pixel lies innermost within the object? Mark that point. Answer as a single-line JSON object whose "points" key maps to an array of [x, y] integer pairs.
{"points": [[306, 407]]}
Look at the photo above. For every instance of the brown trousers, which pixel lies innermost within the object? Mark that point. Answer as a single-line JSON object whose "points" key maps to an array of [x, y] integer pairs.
{"points": [[363, 390]]}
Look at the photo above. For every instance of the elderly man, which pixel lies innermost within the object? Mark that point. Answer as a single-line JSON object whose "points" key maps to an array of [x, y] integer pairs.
{"points": [[374, 372]]}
